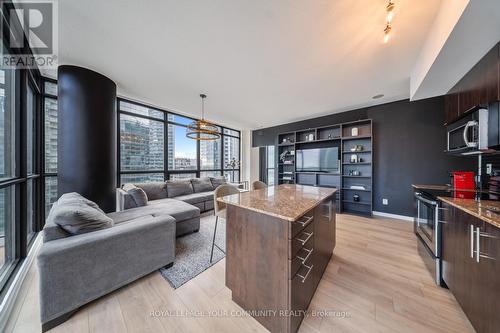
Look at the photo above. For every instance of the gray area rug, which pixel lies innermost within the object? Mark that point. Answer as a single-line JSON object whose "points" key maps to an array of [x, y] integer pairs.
{"points": [[192, 252]]}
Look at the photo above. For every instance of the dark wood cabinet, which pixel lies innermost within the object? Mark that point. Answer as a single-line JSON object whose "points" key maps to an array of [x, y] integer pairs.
{"points": [[470, 253], [451, 107], [480, 86]]}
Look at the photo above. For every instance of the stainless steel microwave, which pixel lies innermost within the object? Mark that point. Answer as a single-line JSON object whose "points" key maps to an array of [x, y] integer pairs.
{"points": [[469, 135]]}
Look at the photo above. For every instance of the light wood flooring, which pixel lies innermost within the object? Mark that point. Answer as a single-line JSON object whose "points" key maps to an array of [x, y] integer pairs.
{"points": [[375, 276]]}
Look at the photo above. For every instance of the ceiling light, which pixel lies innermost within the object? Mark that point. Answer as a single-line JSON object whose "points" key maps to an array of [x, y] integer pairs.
{"points": [[390, 15], [202, 129], [387, 33]]}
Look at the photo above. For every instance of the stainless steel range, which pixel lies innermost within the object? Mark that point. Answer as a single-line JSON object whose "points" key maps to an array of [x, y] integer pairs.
{"points": [[428, 230]]}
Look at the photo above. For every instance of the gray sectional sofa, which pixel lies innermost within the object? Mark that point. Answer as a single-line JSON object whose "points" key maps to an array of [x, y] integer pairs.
{"points": [[180, 199], [87, 254]]}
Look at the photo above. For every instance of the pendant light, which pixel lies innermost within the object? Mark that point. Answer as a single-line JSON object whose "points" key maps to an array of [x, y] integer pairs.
{"points": [[202, 129]]}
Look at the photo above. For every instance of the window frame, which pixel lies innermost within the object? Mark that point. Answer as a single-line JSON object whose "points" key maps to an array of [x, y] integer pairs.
{"points": [[167, 173], [19, 241]]}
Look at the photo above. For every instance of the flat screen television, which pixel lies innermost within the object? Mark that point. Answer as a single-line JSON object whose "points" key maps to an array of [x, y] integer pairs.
{"points": [[318, 160]]}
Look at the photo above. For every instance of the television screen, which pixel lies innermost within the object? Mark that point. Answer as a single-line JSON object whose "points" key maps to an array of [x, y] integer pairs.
{"points": [[318, 160]]}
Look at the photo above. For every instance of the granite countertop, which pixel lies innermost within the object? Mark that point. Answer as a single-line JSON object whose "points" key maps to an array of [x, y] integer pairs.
{"points": [[480, 209], [288, 202], [431, 187]]}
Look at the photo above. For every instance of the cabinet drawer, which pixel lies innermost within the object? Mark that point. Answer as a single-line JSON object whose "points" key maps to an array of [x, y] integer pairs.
{"points": [[301, 291], [303, 222], [302, 257], [303, 238]]}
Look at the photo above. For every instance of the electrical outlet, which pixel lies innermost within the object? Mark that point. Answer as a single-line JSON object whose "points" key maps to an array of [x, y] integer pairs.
{"points": [[489, 168], [385, 202]]}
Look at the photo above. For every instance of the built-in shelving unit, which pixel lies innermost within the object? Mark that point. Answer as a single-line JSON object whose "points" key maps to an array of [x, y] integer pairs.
{"points": [[355, 143]]}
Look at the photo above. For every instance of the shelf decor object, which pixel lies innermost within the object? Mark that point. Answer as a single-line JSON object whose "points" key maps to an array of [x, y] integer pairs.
{"points": [[355, 143], [202, 129]]}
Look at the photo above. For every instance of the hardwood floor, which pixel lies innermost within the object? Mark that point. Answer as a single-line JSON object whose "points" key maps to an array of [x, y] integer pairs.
{"points": [[375, 282]]}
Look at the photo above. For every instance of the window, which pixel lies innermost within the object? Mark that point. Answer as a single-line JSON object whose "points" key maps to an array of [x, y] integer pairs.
{"points": [[30, 127], [182, 151], [50, 144], [180, 176], [270, 162], [50, 108], [231, 132], [141, 144], [50, 88], [140, 110], [7, 227], [20, 178], [154, 147], [210, 174], [50, 193], [231, 152], [8, 172], [232, 176], [141, 178], [7, 125], [210, 153]]}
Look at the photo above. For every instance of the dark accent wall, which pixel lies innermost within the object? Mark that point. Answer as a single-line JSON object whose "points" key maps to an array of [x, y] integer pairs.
{"points": [[409, 144], [87, 135]]}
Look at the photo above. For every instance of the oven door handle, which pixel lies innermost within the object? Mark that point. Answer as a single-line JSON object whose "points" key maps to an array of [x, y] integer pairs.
{"points": [[419, 197], [469, 124]]}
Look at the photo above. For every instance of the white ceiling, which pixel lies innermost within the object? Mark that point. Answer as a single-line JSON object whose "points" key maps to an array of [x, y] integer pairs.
{"points": [[261, 62]]}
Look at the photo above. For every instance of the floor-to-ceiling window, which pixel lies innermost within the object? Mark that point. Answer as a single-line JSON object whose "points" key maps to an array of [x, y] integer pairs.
{"points": [[20, 164], [154, 147], [8, 172], [50, 143]]}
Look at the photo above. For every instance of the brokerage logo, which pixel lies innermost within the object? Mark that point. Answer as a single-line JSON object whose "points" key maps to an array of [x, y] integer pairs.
{"points": [[29, 31]]}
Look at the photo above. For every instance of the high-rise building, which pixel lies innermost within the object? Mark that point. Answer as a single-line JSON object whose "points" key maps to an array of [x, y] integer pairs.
{"points": [[170, 141]]}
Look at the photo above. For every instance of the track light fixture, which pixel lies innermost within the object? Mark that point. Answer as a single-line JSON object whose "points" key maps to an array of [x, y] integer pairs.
{"points": [[388, 26]]}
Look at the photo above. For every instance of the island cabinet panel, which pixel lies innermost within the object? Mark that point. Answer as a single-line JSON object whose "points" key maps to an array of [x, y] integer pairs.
{"points": [[257, 264], [273, 264], [324, 227], [471, 267]]}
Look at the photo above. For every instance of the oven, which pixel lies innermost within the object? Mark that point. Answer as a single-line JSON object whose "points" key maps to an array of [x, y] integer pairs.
{"points": [[428, 230]]}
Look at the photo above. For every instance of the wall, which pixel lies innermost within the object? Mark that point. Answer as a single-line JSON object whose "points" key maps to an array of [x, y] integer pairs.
{"points": [[246, 144], [409, 143]]}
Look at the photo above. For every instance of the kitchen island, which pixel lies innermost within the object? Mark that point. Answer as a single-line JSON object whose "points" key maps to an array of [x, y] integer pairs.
{"points": [[279, 242]]}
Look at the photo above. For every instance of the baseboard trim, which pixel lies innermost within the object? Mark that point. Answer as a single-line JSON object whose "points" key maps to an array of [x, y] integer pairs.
{"points": [[394, 216], [10, 298]]}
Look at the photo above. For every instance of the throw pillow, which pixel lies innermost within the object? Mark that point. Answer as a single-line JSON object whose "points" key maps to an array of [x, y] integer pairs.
{"points": [[218, 181], [154, 190], [139, 196], [202, 184], [74, 197], [176, 188], [79, 218]]}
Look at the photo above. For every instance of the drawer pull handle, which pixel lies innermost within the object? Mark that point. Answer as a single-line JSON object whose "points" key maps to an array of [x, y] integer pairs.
{"points": [[304, 278], [304, 223], [304, 241], [307, 256]]}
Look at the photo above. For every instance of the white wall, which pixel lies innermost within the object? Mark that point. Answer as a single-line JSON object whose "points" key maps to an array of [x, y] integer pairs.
{"points": [[249, 158], [245, 154]]}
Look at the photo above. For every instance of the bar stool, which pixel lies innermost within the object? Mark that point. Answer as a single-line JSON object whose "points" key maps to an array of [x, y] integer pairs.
{"points": [[257, 185], [220, 209]]}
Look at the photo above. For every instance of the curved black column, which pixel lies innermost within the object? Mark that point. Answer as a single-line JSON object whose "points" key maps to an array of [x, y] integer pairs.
{"points": [[87, 135]]}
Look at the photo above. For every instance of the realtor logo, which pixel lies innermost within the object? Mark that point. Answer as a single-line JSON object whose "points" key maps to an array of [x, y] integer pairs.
{"points": [[31, 40]]}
